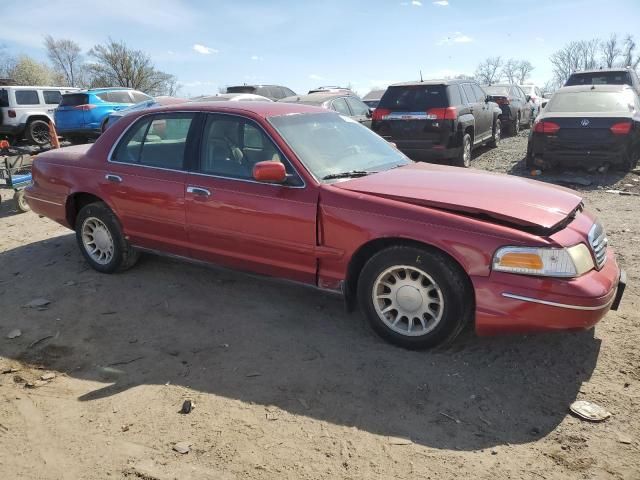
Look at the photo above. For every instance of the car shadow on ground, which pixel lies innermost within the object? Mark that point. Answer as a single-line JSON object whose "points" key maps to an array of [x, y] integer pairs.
{"points": [[271, 343]]}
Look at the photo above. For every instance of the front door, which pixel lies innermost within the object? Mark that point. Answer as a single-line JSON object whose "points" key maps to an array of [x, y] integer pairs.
{"points": [[238, 222], [144, 181]]}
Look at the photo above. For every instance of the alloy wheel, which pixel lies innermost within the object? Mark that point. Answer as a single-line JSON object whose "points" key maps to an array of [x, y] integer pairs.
{"points": [[408, 300], [97, 240]]}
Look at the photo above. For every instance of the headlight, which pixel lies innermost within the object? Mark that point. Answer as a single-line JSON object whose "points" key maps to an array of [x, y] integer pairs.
{"points": [[547, 262]]}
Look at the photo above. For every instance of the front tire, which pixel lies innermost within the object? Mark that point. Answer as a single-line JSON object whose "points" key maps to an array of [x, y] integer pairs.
{"points": [[101, 241], [414, 298]]}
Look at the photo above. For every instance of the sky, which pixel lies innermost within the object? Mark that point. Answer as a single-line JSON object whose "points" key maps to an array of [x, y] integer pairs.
{"points": [[305, 44]]}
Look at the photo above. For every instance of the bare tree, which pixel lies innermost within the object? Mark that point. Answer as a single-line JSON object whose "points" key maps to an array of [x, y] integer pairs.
{"points": [[509, 70], [66, 58], [117, 65], [610, 50], [565, 62], [488, 71], [630, 59], [587, 53], [523, 71]]}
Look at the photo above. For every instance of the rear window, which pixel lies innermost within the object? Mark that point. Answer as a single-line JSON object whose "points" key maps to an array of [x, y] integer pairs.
{"points": [[27, 97], [241, 89], [74, 99], [496, 90], [599, 78], [51, 97], [4, 98], [115, 97], [415, 98], [614, 102]]}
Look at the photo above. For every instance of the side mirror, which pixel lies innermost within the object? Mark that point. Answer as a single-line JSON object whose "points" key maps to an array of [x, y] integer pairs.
{"points": [[487, 99], [369, 113], [528, 98], [269, 172]]}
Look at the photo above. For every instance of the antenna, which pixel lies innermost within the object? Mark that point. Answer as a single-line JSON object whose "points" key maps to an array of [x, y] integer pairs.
{"points": [[421, 76]]}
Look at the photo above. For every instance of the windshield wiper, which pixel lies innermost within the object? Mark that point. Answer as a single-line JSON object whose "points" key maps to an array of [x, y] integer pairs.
{"points": [[350, 174]]}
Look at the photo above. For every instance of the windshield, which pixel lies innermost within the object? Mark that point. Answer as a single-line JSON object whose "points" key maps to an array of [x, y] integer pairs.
{"points": [[614, 102], [330, 144], [496, 90]]}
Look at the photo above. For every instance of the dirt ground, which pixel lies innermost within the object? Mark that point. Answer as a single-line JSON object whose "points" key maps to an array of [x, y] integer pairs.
{"points": [[287, 385]]}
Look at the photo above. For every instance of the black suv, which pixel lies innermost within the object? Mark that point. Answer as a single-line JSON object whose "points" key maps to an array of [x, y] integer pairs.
{"points": [[273, 92], [438, 119], [605, 76]]}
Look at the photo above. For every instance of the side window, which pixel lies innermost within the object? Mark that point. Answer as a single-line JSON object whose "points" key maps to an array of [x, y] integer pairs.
{"points": [[231, 146], [454, 95], [51, 97], [157, 141], [468, 92], [115, 97], [340, 106], [480, 95], [288, 92], [139, 97], [27, 97], [357, 107]]}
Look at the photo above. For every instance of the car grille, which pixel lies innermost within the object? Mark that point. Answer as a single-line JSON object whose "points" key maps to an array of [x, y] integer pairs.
{"points": [[598, 242]]}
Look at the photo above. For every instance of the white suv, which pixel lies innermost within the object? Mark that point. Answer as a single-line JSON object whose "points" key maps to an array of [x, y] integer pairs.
{"points": [[27, 111], [537, 102]]}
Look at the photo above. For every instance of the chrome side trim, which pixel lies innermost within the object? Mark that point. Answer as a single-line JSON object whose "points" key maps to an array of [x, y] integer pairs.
{"points": [[555, 304], [30, 197]]}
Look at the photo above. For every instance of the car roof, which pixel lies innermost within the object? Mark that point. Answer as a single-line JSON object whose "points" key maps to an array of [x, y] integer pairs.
{"points": [[101, 89], [318, 97], [598, 70], [432, 82], [255, 85], [261, 109], [39, 87], [500, 85], [592, 88]]}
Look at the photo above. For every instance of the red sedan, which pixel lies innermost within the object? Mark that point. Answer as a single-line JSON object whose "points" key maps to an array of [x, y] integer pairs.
{"points": [[303, 194]]}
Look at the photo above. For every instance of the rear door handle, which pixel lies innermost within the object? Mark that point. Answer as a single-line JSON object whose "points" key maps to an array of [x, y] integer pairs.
{"points": [[113, 178], [202, 192]]}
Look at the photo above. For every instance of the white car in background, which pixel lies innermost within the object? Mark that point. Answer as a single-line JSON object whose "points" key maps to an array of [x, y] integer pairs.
{"points": [[26, 111], [537, 101]]}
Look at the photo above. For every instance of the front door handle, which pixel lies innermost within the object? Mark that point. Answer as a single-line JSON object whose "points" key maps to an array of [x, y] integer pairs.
{"points": [[113, 178], [202, 192]]}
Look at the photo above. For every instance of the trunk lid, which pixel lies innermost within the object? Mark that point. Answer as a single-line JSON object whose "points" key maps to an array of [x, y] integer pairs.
{"points": [[589, 132], [514, 200]]}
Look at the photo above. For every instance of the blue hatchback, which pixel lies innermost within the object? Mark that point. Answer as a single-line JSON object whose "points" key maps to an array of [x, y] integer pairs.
{"points": [[82, 115]]}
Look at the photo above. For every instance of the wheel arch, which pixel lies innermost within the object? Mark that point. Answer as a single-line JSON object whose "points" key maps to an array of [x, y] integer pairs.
{"points": [[76, 201], [37, 116], [370, 248]]}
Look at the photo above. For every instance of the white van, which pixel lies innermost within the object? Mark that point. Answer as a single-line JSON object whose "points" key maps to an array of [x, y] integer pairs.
{"points": [[25, 112]]}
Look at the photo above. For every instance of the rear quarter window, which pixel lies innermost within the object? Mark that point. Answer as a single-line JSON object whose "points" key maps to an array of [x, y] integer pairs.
{"points": [[115, 97], [414, 98], [454, 95], [51, 97], [27, 97], [4, 98]]}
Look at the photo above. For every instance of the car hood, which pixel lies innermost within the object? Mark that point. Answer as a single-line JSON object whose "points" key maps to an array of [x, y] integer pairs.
{"points": [[507, 199]]}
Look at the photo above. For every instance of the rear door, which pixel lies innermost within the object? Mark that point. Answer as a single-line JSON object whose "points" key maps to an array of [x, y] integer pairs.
{"points": [[411, 115], [144, 180]]}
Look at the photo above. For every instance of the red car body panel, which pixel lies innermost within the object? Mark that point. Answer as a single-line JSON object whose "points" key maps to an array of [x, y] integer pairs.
{"points": [[311, 234]]}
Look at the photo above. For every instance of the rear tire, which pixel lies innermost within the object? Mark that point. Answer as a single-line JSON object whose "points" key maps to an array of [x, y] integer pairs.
{"points": [[497, 134], [425, 294], [464, 157], [101, 241], [37, 132]]}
